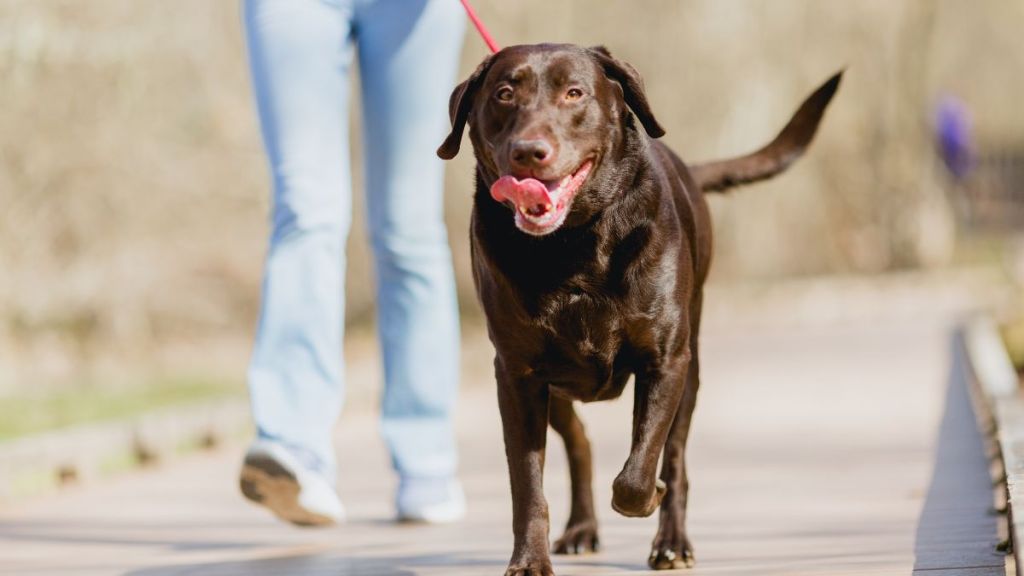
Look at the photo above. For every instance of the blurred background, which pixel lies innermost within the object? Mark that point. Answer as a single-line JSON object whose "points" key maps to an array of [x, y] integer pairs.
{"points": [[134, 194]]}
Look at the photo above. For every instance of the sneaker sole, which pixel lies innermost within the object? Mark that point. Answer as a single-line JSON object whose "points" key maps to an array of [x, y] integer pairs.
{"points": [[433, 518], [437, 514], [266, 482]]}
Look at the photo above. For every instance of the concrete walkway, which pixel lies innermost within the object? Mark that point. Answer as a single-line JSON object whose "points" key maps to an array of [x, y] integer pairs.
{"points": [[814, 453]]}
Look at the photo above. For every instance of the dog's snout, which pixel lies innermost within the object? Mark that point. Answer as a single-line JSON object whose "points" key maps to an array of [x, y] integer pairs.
{"points": [[529, 154]]}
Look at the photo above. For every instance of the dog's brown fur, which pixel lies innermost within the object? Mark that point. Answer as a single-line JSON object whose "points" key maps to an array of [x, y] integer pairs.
{"points": [[615, 291]]}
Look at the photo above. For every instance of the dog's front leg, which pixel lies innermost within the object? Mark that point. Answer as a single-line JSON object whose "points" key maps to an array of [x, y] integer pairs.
{"points": [[524, 416], [637, 491]]}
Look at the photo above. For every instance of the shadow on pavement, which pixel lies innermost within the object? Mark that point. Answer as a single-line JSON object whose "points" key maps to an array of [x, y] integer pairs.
{"points": [[957, 529], [109, 533], [321, 564]]}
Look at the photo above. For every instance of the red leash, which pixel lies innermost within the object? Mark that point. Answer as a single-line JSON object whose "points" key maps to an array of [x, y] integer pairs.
{"points": [[480, 27]]}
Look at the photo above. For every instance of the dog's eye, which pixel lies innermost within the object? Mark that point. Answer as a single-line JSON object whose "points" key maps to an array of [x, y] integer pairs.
{"points": [[504, 94], [574, 94]]}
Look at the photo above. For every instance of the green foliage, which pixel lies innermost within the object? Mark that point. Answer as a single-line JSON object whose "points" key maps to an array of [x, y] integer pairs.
{"points": [[1013, 336], [30, 414]]}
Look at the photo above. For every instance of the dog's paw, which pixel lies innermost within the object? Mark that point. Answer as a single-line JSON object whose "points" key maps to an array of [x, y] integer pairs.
{"points": [[666, 559], [671, 548], [530, 569], [659, 491], [633, 501], [579, 538]]}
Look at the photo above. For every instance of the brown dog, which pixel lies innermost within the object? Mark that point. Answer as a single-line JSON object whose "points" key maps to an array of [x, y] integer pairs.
{"points": [[591, 243]]}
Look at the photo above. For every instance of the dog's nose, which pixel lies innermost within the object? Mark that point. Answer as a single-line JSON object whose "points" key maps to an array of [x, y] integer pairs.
{"points": [[528, 154]]}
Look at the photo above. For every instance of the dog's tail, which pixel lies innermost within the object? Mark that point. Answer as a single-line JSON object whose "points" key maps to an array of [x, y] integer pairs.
{"points": [[775, 157]]}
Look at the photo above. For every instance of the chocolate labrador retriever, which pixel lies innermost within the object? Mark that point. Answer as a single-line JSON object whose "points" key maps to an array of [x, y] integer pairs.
{"points": [[591, 242]]}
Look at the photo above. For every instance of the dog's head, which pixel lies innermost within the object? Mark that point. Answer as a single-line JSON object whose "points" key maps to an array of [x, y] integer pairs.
{"points": [[542, 119]]}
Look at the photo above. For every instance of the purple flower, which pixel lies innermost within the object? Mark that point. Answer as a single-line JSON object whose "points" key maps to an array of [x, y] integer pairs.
{"points": [[953, 131]]}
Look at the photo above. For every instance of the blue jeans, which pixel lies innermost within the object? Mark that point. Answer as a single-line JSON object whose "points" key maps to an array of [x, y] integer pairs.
{"points": [[301, 54]]}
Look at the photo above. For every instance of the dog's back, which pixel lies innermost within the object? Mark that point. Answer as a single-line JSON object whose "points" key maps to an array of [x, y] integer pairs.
{"points": [[691, 205]]}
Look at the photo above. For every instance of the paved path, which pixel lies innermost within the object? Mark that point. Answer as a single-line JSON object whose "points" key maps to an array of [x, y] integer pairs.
{"points": [[813, 454]]}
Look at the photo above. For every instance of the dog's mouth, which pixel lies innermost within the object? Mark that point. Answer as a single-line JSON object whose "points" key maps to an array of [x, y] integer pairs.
{"points": [[540, 205]]}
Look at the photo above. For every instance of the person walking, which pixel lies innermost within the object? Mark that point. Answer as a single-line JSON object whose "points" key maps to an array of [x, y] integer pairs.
{"points": [[301, 55]]}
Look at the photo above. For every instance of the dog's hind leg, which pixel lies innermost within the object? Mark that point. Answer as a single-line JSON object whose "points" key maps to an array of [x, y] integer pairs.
{"points": [[580, 534], [671, 548]]}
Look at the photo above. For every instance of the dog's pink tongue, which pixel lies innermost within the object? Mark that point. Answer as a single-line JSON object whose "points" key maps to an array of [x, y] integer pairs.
{"points": [[528, 193]]}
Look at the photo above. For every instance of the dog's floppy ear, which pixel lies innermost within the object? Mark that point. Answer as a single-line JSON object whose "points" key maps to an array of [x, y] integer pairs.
{"points": [[459, 106], [632, 88]]}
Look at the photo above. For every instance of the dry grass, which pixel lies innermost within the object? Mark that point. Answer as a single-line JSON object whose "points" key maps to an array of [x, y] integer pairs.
{"points": [[133, 193]]}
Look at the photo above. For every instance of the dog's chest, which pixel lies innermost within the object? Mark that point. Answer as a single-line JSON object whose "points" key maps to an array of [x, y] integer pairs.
{"points": [[586, 352]]}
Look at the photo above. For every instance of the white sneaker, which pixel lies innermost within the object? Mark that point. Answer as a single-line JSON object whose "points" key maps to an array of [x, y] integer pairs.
{"points": [[431, 500], [274, 477]]}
